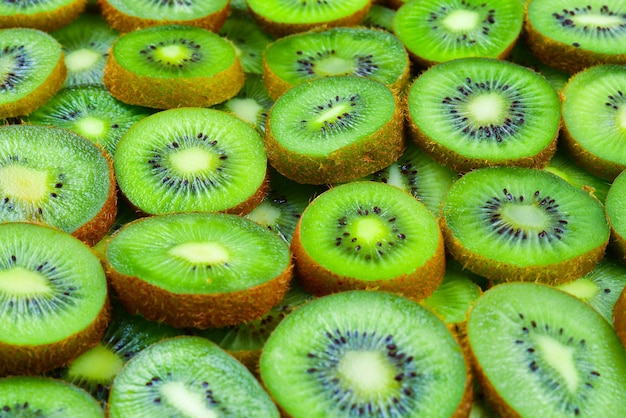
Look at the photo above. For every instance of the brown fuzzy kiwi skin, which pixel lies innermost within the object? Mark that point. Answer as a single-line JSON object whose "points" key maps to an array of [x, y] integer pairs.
{"points": [[48, 88], [39, 359], [370, 154], [619, 317], [127, 23], [45, 21], [280, 29], [499, 272], [169, 93], [320, 281], [198, 310]]}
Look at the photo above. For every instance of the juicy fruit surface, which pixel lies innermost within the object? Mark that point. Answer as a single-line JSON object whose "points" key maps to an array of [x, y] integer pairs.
{"points": [[306, 12]]}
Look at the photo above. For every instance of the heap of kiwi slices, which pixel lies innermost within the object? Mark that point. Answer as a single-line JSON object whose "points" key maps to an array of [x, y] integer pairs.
{"points": [[202, 134]]}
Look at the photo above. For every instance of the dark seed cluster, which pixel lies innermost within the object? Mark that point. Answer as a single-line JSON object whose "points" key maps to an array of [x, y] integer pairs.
{"points": [[614, 101], [323, 364], [203, 387], [18, 71], [194, 55], [493, 217], [473, 130], [409, 173], [564, 18], [22, 410], [338, 123], [172, 2], [363, 65], [468, 38]]}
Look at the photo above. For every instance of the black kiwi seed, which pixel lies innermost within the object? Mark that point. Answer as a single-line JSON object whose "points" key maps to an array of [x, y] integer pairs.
{"points": [[21, 62]]}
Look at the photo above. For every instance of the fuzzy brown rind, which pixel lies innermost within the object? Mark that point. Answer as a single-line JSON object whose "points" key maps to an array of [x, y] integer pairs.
{"points": [[370, 154], [45, 21], [169, 93], [37, 98], [198, 310], [127, 23], [619, 317], [320, 281], [39, 359], [556, 273]]}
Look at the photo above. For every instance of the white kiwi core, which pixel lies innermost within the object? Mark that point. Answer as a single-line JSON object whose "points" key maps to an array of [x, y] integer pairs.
{"points": [[487, 109], [22, 282], [247, 109], [91, 127], [98, 364], [598, 20], [172, 54], [461, 20], [370, 230], [190, 404], [367, 373], [23, 183], [333, 66], [193, 160], [526, 216], [81, 59], [620, 118], [264, 214], [201, 252], [561, 358]]}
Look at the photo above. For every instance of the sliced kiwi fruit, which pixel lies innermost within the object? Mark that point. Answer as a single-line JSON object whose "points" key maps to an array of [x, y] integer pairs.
{"points": [[536, 348], [282, 207], [252, 103], [86, 42], [45, 15], [522, 224], [417, 173], [191, 159], [124, 215], [368, 235], [614, 204], [248, 39], [334, 129], [435, 31], [365, 353], [53, 299], [56, 177], [127, 16], [32, 70], [573, 35], [170, 66], [22, 396], [284, 17], [196, 269], [379, 17], [594, 119], [476, 112], [371, 53], [90, 111], [601, 287], [190, 377]]}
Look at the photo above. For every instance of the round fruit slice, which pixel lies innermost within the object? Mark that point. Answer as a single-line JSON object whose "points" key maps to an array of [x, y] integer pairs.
{"points": [[47, 15], [615, 204], [191, 159], [32, 70], [196, 269], [53, 299], [435, 31], [521, 224], [187, 377], [368, 235], [56, 177], [477, 112], [539, 349], [334, 129], [170, 66], [365, 353], [42, 397]]}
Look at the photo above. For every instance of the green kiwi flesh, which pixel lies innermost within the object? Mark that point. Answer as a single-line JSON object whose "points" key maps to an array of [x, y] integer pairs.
{"points": [[540, 349], [521, 224], [248, 39], [614, 204], [187, 376], [22, 396], [364, 353]]}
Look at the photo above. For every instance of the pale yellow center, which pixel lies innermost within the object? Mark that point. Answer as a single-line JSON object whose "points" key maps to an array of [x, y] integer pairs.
{"points": [[582, 288], [81, 59], [173, 54], [264, 214], [332, 113], [598, 20], [369, 230], [23, 183], [201, 252], [190, 404], [91, 127], [620, 118], [461, 20], [98, 364], [367, 373], [333, 66], [22, 282], [561, 358], [193, 160], [527, 216], [247, 109], [487, 109]]}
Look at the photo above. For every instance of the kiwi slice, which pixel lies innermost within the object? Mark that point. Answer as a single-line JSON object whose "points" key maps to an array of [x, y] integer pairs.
{"points": [[371, 53], [32, 70], [365, 353], [572, 35], [368, 235], [334, 129], [45, 15], [127, 16], [191, 159], [196, 269], [522, 224], [170, 66], [22, 396], [596, 98], [476, 112], [379, 17], [537, 348], [191, 377], [601, 287], [284, 17], [53, 306], [415, 172], [435, 31], [614, 204], [252, 103], [86, 43], [56, 177], [90, 111], [248, 39]]}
